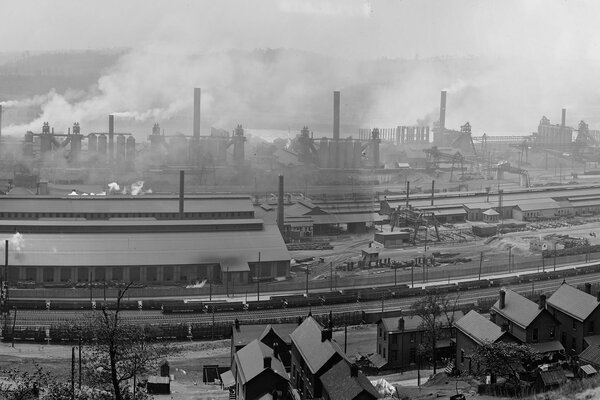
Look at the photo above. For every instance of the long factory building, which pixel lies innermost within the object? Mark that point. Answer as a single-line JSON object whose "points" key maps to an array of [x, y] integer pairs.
{"points": [[145, 239]]}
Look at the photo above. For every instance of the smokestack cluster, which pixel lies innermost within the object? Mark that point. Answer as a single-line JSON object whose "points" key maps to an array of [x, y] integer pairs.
{"points": [[181, 191], [111, 137], [443, 111], [197, 99], [280, 205]]}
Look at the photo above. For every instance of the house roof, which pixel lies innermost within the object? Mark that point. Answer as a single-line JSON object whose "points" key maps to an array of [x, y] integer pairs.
{"points": [[491, 212], [518, 309], [247, 333], [341, 386], [588, 369], [412, 323], [592, 340], [249, 361], [591, 355], [573, 302], [316, 353], [553, 377], [540, 205], [479, 328], [547, 347]]}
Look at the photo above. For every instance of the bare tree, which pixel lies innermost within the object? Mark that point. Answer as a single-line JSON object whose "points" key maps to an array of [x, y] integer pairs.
{"points": [[437, 312], [118, 352]]}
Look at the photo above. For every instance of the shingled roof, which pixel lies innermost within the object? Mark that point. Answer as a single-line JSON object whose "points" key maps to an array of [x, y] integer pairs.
{"points": [[314, 351], [479, 328], [249, 361], [518, 309], [573, 302], [591, 355], [244, 334], [413, 323], [339, 383]]}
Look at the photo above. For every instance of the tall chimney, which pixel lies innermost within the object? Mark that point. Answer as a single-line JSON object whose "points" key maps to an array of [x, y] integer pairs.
{"points": [[563, 120], [197, 98], [0, 120], [588, 288], [111, 136], [502, 299], [542, 304], [181, 191], [336, 115], [280, 205], [443, 112]]}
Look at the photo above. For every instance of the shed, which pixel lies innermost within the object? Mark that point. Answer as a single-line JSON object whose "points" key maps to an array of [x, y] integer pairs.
{"points": [[392, 239], [159, 385]]}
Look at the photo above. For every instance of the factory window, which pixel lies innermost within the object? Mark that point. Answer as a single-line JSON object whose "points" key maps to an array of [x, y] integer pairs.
{"points": [[117, 274], [281, 269], [65, 274], [168, 273], [48, 274]]}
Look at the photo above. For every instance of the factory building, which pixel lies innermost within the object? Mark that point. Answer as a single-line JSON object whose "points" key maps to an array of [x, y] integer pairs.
{"points": [[147, 239]]}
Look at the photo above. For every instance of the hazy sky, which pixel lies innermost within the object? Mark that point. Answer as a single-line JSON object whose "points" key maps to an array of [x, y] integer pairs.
{"points": [[558, 29]]}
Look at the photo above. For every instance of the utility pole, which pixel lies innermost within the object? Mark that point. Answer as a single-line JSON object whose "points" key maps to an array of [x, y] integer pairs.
{"points": [[509, 257], [395, 275], [73, 373], [210, 290], [480, 264], [412, 275], [258, 279], [79, 362], [554, 256], [331, 276], [307, 281], [345, 337]]}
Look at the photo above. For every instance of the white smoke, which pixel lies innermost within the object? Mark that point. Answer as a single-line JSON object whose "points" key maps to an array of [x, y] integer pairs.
{"points": [[137, 187], [16, 243], [113, 187]]}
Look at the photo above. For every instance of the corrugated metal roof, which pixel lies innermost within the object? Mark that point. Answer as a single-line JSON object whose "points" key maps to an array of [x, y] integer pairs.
{"points": [[518, 309], [122, 204], [181, 248], [573, 302], [591, 355], [479, 328]]}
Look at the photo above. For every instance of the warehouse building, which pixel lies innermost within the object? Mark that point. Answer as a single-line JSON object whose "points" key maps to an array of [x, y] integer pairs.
{"points": [[139, 239]]}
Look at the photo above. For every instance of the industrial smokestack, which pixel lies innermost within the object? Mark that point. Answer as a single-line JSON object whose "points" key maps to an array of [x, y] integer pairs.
{"points": [[443, 111], [181, 191], [111, 136], [563, 120], [280, 205], [336, 115], [0, 120], [197, 97]]}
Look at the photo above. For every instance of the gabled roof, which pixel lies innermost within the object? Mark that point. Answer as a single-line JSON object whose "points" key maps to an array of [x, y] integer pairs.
{"points": [[316, 353], [246, 333], [518, 309], [491, 212], [553, 377], [341, 386], [591, 355], [573, 302], [413, 323], [249, 361], [479, 328]]}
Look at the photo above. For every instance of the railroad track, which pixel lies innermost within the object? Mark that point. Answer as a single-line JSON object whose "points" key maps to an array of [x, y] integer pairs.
{"points": [[42, 318]]}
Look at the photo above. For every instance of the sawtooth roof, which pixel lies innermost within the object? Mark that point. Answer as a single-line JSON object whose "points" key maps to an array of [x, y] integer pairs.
{"points": [[573, 302], [518, 309]]}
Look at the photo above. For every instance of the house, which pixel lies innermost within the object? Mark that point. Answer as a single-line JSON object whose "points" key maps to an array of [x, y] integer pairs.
{"points": [[526, 320], [472, 331], [314, 354], [258, 373], [346, 381], [399, 338], [491, 216], [578, 313], [241, 335]]}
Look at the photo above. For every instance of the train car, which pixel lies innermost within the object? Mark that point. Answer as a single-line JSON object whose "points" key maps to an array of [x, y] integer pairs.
{"points": [[445, 288], [225, 306], [475, 284], [264, 305], [27, 304], [510, 280]]}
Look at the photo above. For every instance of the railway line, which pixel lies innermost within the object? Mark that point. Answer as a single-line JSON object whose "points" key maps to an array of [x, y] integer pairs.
{"points": [[45, 318]]}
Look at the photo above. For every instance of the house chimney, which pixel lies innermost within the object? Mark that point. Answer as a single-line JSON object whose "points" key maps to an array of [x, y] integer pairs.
{"points": [[401, 324], [181, 192], [502, 299], [542, 301], [325, 335], [267, 362], [588, 288], [443, 111], [196, 128], [280, 205], [353, 370]]}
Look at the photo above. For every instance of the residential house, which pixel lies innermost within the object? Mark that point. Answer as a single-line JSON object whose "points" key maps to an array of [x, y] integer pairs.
{"points": [[314, 353], [578, 313], [527, 321], [258, 373], [345, 381], [241, 335], [472, 331], [399, 338]]}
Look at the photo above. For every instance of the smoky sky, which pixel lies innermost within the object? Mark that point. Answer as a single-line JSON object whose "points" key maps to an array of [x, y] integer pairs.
{"points": [[557, 29], [530, 58]]}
